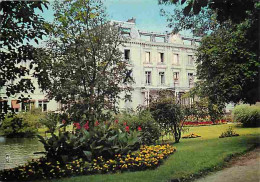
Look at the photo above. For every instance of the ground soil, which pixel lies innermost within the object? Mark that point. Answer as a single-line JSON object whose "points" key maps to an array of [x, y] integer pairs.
{"points": [[245, 168]]}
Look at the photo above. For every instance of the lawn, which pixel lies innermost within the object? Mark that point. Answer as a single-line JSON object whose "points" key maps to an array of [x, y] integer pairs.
{"points": [[193, 157]]}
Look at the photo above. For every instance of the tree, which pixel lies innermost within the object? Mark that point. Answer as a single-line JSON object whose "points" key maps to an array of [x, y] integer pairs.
{"points": [[227, 67], [228, 64], [169, 114], [85, 67], [20, 25]]}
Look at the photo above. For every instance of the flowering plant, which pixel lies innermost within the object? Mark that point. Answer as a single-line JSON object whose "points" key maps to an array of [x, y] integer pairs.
{"points": [[147, 157]]}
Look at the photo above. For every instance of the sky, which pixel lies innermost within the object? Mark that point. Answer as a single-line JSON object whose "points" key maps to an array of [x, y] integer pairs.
{"points": [[146, 12]]}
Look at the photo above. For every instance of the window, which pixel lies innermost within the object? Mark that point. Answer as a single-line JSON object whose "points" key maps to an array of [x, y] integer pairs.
{"points": [[148, 79], [15, 105], [161, 57], [43, 104], [190, 78], [176, 77], [162, 78], [176, 59], [147, 57], [127, 54], [190, 60]]}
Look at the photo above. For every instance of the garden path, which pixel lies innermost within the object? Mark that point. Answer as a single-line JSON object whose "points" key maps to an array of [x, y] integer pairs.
{"points": [[245, 168]]}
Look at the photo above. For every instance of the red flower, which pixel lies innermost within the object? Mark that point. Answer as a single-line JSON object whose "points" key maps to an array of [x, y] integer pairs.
{"points": [[63, 121], [96, 123], [77, 125], [139, 128], [127, 128], [116, 121], [125, 123], [86, 126]]}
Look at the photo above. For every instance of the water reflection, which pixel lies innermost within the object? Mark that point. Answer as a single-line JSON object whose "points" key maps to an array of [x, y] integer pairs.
{"points": [[20, 150]]}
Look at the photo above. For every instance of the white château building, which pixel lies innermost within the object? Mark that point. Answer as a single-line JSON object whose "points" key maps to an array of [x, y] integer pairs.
{"points": [[158, 61]]}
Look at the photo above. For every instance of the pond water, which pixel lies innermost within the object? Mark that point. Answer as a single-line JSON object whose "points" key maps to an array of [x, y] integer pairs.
{"points": [[19, 150]]}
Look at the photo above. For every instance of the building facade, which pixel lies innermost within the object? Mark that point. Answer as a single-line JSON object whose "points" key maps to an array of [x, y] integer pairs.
{"points": [[157, 60]]}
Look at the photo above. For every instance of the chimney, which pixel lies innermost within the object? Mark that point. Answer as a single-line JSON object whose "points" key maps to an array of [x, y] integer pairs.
{"points": [[132, 20]]}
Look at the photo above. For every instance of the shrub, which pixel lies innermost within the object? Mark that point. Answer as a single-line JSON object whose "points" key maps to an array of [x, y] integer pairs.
{"points": [[15, 126], [143, 121], [32, 117], [249, 116], [228, 133]]}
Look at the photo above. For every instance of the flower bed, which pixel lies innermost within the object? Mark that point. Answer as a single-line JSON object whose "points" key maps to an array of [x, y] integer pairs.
{"points": [[192, 135], [202, 123], [148, 157]]}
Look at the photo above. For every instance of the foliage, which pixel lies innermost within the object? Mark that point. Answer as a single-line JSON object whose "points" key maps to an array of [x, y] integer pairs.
{"points": [[169, 115], [20, 25], [102, 140], [228, 56], [143, 121], [148, 157], [199, 24], [249, 116], [16, 126], [235, 10], [50, 121], [228, 133], [84, 63]]}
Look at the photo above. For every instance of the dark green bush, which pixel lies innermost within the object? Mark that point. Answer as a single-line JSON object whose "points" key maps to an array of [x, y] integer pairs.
{"points": [[86, 142], [16, 126], [248, 115], [142, 121]]}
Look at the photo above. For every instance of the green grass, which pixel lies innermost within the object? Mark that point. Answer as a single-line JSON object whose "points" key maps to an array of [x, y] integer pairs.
{"points": [[193, 157]]}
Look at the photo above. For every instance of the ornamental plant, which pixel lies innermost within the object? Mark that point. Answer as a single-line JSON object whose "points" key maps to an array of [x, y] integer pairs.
{"points": [[228, 133], [101, 140]]}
